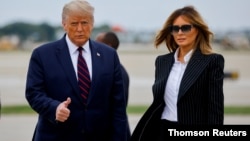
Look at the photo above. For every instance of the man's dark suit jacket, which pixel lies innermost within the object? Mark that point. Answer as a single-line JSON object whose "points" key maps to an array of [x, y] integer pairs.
{"points": [[126, 82], [200, 99], [51, 78], [126, 89]]}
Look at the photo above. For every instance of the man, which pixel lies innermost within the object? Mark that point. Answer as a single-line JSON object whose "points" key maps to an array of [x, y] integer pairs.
{"points": [[111, 39], [67, 111]]}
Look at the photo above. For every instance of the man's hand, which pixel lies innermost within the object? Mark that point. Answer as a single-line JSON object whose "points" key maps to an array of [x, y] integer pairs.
{"points": [[62, 111]]}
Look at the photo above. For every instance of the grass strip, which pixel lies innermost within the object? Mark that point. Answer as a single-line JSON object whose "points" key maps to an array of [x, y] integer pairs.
{"points": [[131, 109], [230, 110]]}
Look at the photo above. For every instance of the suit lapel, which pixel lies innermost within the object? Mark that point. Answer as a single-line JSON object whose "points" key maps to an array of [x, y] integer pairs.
{"points": [[96, 56], [66, 63], [195, 67]]}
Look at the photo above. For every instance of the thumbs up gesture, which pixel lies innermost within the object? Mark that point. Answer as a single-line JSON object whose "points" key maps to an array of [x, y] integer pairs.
{"points": [[62, 111]]}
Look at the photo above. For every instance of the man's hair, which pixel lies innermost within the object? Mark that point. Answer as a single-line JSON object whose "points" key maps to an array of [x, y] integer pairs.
{"points": [[82, 7], [111, 39]]}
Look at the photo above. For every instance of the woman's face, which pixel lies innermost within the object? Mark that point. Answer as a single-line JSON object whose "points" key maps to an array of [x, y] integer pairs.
{"points": [[184, 33]]}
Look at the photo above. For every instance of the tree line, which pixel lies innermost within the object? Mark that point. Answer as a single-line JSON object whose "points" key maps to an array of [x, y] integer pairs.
{"points": [[37, 32]]}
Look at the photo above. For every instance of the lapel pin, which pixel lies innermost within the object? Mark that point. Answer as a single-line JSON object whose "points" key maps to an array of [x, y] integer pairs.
{"points": [[98, 54]]}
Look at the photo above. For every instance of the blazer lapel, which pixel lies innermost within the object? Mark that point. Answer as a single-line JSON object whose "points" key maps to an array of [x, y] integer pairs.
{"points": [[195, 67], [164, 68]]}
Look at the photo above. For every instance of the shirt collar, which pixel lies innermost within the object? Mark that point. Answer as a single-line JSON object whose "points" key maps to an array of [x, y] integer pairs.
{"points": [[186, 57], [73, 48]]}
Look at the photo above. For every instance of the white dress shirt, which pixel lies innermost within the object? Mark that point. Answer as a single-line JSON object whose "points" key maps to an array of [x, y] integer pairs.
{"points": [[172, 87], [74, 55]]}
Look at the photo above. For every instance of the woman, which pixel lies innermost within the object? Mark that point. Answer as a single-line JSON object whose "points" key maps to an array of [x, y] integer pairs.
{"points": [[188, 86]]}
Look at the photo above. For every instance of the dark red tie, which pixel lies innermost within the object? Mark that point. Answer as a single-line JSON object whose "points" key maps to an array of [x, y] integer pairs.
{"points": [[83, 76]]}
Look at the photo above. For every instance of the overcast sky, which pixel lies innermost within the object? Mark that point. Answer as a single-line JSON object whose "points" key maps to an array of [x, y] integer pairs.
{"points": [[131, 14]]}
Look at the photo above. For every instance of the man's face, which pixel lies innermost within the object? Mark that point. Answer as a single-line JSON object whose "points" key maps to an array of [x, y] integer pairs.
{"points": [[78, 27]]}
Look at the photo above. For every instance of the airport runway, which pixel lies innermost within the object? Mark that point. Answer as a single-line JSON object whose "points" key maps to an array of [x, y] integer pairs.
{"points": [[139, 62]]}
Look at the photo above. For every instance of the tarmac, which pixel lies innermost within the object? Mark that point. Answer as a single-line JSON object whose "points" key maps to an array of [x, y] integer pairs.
{"points": [[139, 62], [21, 127]]}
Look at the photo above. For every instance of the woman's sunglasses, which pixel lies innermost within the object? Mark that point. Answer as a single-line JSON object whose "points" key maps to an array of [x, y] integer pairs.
{"points": [[174, 29]]}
